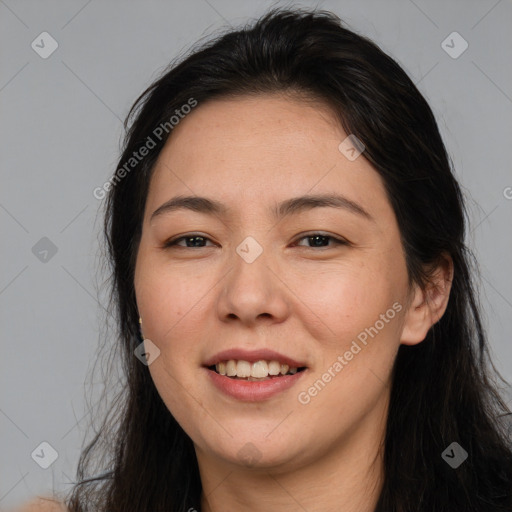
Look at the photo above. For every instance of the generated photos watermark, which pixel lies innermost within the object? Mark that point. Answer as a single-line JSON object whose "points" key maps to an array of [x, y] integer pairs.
{"points": [[150, 143], [305, 396]]}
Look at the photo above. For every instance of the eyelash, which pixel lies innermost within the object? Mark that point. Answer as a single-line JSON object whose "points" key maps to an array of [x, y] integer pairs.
{"points": [[337, 241]]}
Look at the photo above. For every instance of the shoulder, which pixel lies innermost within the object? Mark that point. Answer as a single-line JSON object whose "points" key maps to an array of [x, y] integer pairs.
{"points": [[42, 504]]}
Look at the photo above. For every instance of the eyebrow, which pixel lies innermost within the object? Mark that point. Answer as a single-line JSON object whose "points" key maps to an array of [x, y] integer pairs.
{"points": [[288, 207]]}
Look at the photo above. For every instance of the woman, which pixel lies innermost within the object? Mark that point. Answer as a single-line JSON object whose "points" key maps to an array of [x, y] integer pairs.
{"points": [[287, 237]]}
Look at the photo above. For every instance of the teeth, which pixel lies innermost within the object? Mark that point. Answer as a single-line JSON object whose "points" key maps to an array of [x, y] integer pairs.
{"points": [[230, 368], [259, 369], [253, 371], [243, 369], [274, 368]]}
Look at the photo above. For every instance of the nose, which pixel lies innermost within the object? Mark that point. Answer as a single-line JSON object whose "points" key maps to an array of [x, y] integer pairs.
{"points": [[253, 292]]}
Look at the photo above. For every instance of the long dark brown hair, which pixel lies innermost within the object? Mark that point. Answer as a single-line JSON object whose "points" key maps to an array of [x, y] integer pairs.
{"points": [[444, 389]]}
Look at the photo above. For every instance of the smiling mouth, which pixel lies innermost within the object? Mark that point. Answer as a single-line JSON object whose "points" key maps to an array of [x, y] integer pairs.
{"points": [[257, 371]]}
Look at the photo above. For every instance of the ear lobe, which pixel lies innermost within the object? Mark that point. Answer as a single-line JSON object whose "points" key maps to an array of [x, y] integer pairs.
{"points": [[428, 306]]}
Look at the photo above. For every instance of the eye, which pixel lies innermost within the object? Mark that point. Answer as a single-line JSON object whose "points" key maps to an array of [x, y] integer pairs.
{"points": [[318, 239], [193, 239]]}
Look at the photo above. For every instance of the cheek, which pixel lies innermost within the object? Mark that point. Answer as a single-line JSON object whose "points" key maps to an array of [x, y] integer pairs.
{"points": [[361, 308], [344, 299], [183, 397], [352, 376], [169, 297], [170, 304]]}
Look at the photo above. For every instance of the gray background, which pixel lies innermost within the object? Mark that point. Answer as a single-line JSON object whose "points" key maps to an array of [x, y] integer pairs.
{"points": [[60, 130]]}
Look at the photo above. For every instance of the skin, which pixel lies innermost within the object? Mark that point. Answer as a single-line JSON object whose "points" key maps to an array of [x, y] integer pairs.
{"points": [[41, 504], [305, 301]]}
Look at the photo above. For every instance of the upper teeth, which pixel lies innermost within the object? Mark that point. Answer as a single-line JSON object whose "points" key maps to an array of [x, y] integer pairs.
{"points": [[259, 369]]}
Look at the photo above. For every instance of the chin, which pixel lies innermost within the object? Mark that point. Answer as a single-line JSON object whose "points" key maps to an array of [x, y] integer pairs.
{"points": [[257, 451]]}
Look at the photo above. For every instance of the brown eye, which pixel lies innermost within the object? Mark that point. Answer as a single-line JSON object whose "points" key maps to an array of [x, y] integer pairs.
{"points": [[191, 241], [322, 240]]}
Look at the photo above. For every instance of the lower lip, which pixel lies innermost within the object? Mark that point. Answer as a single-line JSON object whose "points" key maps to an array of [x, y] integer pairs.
{"points": [[253, 391]]}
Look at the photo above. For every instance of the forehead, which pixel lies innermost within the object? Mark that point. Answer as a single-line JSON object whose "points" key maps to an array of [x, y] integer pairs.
{"points": [[262, 149]]}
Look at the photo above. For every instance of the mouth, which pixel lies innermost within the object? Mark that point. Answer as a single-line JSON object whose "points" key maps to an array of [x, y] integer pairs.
{"points": [[253, 375], [256, 371]]}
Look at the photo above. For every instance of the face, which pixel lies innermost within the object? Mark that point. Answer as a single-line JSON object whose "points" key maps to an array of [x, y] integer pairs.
{"points": [[320, 285]]}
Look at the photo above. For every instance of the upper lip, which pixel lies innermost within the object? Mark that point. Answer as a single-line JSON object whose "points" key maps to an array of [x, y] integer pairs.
{"points": [[252, 356]]}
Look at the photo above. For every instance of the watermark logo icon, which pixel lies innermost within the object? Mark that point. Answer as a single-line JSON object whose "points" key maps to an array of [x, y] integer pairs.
{"points": [[44, 45], [44, 250], [44, 455], [454, 45], [249, 454], [249, 249], [146, 352], [454, 455], [351, 147]]}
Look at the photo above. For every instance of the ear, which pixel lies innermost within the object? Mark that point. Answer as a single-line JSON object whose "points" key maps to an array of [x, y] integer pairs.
{"points": [[428, 306]]}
